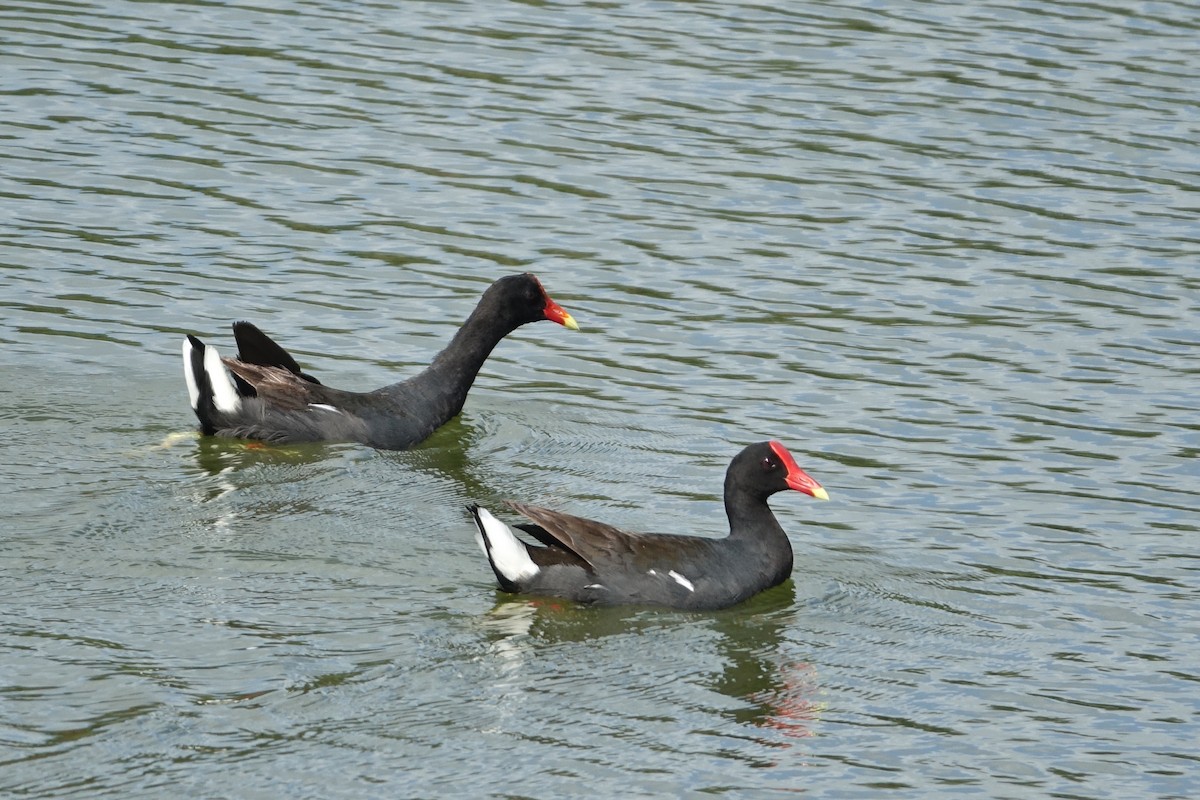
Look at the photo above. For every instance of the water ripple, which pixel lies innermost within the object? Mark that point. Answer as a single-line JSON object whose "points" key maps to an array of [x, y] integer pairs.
{"points": [[944, 252]]}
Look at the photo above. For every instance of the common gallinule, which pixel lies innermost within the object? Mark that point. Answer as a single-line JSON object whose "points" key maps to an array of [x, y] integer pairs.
{"points": [[262, 394], [591, 562]]}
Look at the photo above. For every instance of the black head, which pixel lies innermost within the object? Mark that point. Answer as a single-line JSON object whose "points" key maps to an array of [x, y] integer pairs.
{"points": [[765, 468], [521, 299]]}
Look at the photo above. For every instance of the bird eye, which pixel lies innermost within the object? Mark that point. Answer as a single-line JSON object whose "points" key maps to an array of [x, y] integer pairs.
{"points": [[768, 464]]}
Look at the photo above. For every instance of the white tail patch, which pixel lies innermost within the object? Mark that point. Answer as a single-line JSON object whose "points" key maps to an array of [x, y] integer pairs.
{"points": [[193, 390], [682, 581], [506, 552], [225, 396]]}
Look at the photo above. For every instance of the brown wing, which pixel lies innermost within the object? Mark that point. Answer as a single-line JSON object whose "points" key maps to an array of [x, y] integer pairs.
{"points": [[590, 540], [274, 385], [255, 347]]}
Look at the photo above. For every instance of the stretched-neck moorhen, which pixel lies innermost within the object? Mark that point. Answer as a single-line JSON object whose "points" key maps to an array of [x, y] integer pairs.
{"points": [[591, 562], [262, 394]]}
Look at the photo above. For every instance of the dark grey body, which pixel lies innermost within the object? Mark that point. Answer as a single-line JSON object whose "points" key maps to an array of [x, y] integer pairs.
{"points": [[279, 403], [592, 562], [722, 572], [394, 417]]}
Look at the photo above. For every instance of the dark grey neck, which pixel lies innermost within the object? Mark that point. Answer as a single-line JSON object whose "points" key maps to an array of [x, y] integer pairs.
{"points": [[749, 515], [444, 384], [754, 529], [751, 518]]}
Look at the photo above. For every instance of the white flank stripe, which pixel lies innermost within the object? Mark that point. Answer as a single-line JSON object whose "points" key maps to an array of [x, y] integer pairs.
{"points": [[682, 581], [325, 407], [193, 391], [507, 553], [224, 394]]}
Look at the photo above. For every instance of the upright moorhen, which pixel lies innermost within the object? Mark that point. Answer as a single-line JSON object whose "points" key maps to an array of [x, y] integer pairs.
{"points": [[591, 562], [262, 394]]}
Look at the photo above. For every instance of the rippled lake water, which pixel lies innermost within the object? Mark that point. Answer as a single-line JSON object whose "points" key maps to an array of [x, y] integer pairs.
{"points": [[946, 252]]}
